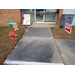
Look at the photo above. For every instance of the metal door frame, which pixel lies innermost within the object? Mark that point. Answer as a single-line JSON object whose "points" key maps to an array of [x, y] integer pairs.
{"points": [[35, 17]]}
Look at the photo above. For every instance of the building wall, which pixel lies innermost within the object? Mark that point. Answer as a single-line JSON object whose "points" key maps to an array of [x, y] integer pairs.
{"points": [[70, 11], [73, 22], [9, 14], [16, 14]]}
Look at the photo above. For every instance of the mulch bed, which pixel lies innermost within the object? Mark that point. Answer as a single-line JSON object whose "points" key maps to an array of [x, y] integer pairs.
{"points": [[60, 33]]}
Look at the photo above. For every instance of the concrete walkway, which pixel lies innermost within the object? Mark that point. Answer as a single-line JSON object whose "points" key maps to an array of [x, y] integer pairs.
{"points": [[36, 47], [67, 49]]}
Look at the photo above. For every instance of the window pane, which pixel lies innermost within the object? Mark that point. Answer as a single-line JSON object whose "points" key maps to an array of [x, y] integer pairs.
{"points": [[50, 15], [51, 10], [28, 9], [39, 10]]}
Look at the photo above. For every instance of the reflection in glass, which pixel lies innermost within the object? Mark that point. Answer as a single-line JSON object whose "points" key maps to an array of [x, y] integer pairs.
{"points": [[50, 15], [39, 15]]}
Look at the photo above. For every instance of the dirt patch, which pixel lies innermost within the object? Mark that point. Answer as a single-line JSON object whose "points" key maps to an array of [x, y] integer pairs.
{"points": [[6, 44], [60, 33]]}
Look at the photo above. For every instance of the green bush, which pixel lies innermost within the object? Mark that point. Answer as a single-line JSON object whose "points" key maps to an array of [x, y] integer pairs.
{"points": [[51, 27], [60, 26]]}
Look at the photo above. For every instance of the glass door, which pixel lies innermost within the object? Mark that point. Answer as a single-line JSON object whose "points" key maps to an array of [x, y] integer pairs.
{"points": [[39, 15]]}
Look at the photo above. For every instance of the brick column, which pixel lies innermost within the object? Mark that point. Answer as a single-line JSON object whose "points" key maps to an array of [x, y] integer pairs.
{"points": [[59, 17], [21, 16]]}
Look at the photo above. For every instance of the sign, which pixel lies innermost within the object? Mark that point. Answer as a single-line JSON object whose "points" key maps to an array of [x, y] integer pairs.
{"points": [[11, 22], [26, 20], [68, 28], [14, 23]]}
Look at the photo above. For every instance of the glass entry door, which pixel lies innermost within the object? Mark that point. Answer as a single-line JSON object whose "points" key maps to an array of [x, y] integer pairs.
{"points": [[39, 15]]}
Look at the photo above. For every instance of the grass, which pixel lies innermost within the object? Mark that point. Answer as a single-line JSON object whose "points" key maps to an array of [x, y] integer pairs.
{"points": [[73, 27], [2, 51], [6, 44]]}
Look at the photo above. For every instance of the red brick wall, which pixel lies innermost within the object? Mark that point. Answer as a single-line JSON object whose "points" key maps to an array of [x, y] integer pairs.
{"points": [[9, 14], [21, 16], [59, 17]]}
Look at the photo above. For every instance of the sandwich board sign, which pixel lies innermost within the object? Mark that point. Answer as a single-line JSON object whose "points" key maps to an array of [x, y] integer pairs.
{"points": [[26, 20], [68, 28], [11, 22]]}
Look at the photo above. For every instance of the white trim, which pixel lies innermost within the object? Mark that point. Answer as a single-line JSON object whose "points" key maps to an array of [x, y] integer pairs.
{"points": [[13, 62], [35, 15]]}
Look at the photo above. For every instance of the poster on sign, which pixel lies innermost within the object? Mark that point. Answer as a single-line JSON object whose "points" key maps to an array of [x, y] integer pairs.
{"points": [[68, 28], [26, 20]]}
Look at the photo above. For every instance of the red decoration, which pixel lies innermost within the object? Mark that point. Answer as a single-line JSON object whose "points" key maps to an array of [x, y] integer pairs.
{"points": [[23, 17], [12, 35], [11, 31], [13, 23], [43, 13]]}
